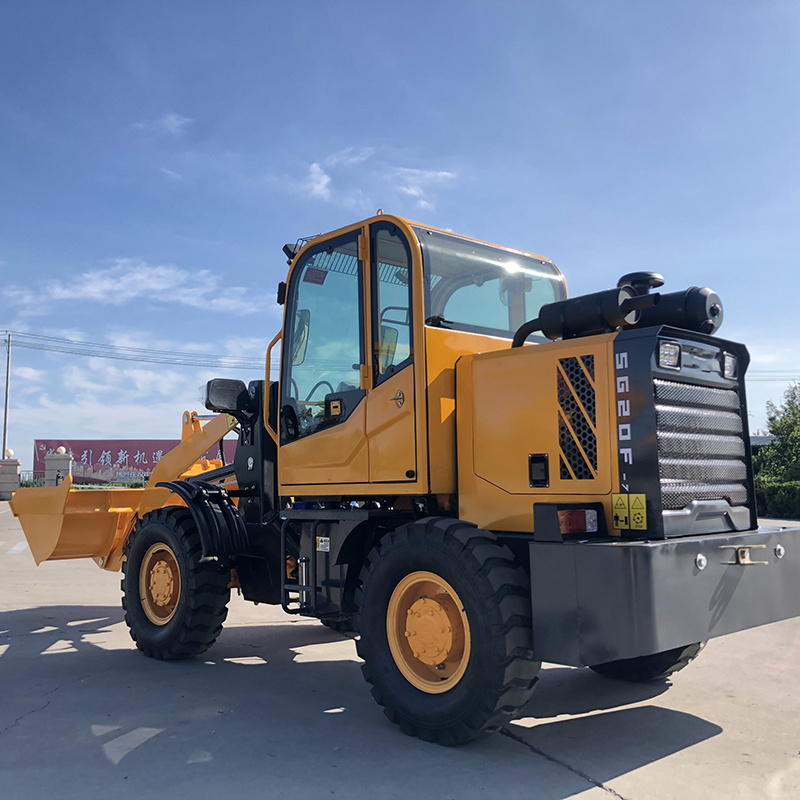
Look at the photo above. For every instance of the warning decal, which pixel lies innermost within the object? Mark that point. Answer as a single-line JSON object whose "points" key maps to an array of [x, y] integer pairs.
{"points": [[630, 511], [638, 512], [621, 511]]}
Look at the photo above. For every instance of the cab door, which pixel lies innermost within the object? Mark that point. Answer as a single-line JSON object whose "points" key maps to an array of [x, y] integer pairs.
{"points": [[390, 406], [323, 368]]}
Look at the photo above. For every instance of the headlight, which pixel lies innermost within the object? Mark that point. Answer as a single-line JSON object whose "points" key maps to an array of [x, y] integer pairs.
{"points": [[669, 355], [729, 366]]}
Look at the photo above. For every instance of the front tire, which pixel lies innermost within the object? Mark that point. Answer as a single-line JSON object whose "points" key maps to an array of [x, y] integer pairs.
{"points": [[655, 667], [445, 624], [174, 602]]}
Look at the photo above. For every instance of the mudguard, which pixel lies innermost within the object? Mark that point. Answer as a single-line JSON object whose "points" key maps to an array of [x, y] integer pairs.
{"points": [[221, 527]]}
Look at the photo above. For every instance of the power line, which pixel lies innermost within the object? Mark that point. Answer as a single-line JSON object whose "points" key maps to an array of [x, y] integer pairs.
{"points": [[772, 376], [33, 341]]}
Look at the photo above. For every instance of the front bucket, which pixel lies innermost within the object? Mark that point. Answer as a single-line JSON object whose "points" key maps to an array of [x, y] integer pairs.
{"points": [[61, 523]]}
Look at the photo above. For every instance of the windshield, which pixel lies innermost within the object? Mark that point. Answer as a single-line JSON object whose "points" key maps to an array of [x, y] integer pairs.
{"points": [[476, 287]]}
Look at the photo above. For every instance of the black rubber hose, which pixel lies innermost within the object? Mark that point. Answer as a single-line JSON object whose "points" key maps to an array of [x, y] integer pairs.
{"points": [[524, 331]]}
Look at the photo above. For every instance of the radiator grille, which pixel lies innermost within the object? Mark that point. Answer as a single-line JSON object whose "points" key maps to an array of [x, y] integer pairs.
{"points": [[577, 435], [701, 450]]}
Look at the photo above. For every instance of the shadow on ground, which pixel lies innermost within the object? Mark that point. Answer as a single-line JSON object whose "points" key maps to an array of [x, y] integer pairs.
{"points": [[281, 710]]}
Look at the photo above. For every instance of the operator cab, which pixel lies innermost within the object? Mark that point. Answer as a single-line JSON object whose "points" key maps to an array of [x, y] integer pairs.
{"points": [[356, 372]]}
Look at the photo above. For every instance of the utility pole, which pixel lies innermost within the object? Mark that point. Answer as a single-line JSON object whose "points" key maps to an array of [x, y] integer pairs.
{"points": [[8, 380]]}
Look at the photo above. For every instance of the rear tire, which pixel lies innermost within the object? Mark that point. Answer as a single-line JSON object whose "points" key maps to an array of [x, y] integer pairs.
{"points": [[174, 603], [656, 667], [445, 624], [343, 626]]}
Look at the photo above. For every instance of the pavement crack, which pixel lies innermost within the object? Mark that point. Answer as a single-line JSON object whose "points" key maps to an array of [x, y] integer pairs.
{"points": [[48, 698], [514, 737], [29, 712]]}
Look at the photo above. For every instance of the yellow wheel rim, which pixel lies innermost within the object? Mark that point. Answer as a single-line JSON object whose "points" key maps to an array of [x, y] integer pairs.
{"points": [[159, 584], [428, 632]]}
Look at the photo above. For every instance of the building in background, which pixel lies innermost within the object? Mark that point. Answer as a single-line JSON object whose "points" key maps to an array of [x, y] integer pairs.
{"points": [[106, 460]]}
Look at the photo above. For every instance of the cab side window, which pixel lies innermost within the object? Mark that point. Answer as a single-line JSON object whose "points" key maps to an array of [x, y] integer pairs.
{"points": [[391, 290], [324, 348]]}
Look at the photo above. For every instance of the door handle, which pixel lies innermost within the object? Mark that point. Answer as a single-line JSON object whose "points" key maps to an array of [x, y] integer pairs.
{"points": [[399, 398]]}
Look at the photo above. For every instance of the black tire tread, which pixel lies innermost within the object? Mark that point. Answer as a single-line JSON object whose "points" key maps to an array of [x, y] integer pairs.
{"points": [[343, 626], [505, 593], [655, 667], [197, 627]]}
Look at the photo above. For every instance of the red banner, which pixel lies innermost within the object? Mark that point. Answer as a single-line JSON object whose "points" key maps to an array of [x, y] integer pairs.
{"points": [[105, 460]]}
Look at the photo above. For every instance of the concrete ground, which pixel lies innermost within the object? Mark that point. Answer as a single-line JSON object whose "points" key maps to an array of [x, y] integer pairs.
{"points": [[278, 709]]}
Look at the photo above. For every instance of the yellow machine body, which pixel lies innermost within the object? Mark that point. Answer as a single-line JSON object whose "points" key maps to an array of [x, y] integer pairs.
{"points": [[556, 401], [61, 522]]}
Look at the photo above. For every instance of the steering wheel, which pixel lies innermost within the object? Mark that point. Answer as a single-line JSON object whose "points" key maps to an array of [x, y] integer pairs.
{"points": [[316, 386]]}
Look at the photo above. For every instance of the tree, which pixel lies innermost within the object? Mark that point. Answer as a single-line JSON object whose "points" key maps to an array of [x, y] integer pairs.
{"points": [[780, 460]]}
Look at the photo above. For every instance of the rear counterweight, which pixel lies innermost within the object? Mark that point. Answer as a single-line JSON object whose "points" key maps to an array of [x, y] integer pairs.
{"points": [[602, 601]]}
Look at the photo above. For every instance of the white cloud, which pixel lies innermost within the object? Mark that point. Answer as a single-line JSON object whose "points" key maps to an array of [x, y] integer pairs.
{"points": [[98, 377], [341, 178], [423, 176], [359, 178], [85, 417], [130, 280], [146, 340], [173, 123], [416, 183], [27, 374], [349, 156], [64, 333], [98, 398], [319, 182], [170, 124], [419, 194], [250, 347]]}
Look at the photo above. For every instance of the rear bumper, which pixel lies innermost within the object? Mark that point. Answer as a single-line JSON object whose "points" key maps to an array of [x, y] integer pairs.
{"points": [[601, 601]]}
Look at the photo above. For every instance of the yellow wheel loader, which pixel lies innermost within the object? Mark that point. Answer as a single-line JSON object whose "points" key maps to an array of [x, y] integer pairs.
{"points": [[467, 468]]}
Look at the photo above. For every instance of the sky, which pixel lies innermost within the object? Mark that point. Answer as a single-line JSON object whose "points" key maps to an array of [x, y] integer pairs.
{"points": [[155, 157]]}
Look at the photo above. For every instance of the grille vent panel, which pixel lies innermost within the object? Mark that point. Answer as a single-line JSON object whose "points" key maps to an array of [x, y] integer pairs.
{"points": [[577, 435], [701, 449], [676, 444], [691, 420]]}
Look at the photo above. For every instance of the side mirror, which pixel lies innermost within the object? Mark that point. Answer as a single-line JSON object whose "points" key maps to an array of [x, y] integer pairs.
{"points": [[302, 325], [225, 396]]}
